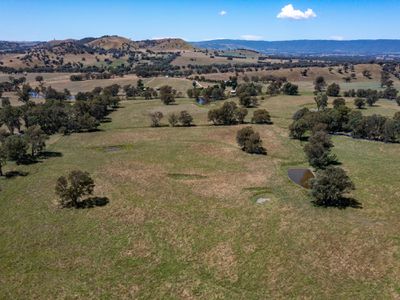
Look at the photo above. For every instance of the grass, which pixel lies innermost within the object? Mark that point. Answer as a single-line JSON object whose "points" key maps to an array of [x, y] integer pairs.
{"points": [[181, 221]]}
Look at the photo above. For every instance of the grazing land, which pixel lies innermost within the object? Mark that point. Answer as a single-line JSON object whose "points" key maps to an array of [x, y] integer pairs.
{"points": [[181, 219]]}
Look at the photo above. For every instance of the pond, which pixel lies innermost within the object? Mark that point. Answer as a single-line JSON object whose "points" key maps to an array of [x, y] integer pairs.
{"points": [[301, 176]]}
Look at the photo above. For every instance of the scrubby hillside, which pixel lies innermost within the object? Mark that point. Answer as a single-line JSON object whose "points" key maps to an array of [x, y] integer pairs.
{"points": [[169, 44], [112, 42]]}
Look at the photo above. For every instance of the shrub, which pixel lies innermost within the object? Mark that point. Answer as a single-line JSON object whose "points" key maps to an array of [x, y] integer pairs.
{"points": [[261, 116], [329, 186], [250, 141], [71, 189]]}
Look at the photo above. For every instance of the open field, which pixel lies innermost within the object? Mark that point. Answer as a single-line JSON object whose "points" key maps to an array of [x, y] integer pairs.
{"points": [[182, 223]]}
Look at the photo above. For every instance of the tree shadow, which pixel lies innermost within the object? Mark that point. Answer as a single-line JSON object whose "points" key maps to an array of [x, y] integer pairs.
{"points": [[343, 203], [49, 154], [93, 202], [106, 120], [27, 160], [12, 174]]}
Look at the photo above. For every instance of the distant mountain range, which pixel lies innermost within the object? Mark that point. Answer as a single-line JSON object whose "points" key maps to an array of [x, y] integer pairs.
{"points": [[295, 47], [308, 47]]}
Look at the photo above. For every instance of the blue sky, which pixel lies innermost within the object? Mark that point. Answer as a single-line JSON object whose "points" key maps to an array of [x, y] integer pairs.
{"points": [[200, 20]]}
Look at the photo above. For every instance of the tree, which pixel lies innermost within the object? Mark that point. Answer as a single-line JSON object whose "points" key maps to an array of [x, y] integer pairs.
{"points": [[273, 88], [225, 115], [156, 118], [71, 189], [3, 158], [290, 89], [359, 103], [398, 101], [167, 95], [390, 93], [39, 78], [23, 94], [385, 79], [10, 116], [390, 131], [36, 138], [298, 128], [300, 113], [319, 84], [321, 100], [250, 141], [15, 146], [338, 102], [248, 101], [173, 119], [185, 118], [330, 185], [241, 114], [261, 116], [318, 150], [372, 99], [5, 102], [333, 90]]}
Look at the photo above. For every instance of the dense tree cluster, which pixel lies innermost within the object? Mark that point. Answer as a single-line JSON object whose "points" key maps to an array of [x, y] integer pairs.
{"points": [[228, 114], [341, 119]]}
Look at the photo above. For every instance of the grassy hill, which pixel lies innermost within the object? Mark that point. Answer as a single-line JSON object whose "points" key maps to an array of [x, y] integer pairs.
{"points": [[181, 219]]}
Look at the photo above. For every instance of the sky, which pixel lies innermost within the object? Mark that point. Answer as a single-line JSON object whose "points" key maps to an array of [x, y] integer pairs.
{"points": [[40, 20]]}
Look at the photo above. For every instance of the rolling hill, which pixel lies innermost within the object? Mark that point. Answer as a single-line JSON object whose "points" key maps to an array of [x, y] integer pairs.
{"points": [[311, 47]]}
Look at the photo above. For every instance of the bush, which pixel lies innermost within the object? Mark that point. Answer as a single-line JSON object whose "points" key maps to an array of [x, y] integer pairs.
{"points": [[71, 189], [261, 116], [329, 186], [250, 141]]}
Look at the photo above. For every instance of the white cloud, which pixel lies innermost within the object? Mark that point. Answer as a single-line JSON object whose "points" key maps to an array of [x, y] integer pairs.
{"points": [[289, 12], [336, 38], [222, 13], [251, 37]]}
